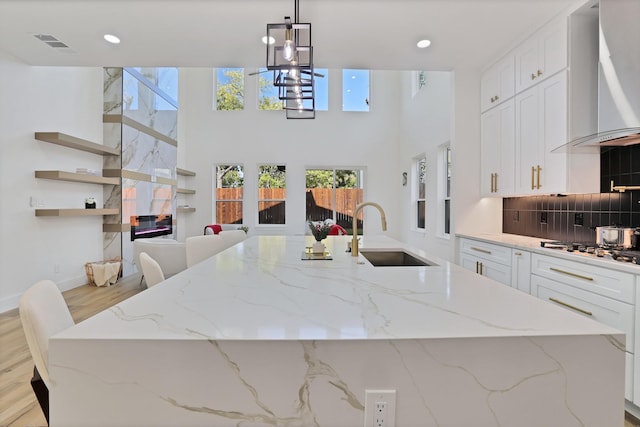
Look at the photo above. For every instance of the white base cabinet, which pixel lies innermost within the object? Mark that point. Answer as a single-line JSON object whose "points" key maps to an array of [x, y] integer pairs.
{"points": [[604, 295], [511, 267], [521, 270], [493, 261]]}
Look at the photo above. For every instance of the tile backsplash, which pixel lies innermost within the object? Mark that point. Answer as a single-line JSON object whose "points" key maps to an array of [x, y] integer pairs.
{"points": [[573, 217]]}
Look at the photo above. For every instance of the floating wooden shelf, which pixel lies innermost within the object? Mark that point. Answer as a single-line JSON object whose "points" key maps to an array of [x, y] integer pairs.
{"points": [[185, 210], [138, 176], [76, 143], [185, 172], [77, 177], [185, 191], [76, 212]]}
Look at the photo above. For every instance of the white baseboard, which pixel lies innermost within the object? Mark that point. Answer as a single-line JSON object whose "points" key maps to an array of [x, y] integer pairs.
{"points": [[11, 302]]}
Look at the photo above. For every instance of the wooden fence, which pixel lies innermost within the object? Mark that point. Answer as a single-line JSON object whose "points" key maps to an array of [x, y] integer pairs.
{"points": [[319, 205]]}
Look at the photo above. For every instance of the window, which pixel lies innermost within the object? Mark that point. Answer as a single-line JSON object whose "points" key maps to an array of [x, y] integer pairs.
{"points": [[321, 88], [420, 191], [154, 87], [272, 192], [334, 194], [230, 89], [445, 189], [267, 92], [355, 90], [229, 186], [419, 81]]}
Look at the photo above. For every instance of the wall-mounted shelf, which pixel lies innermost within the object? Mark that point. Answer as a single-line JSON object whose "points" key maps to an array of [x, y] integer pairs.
{"points": [[185, 172], [185, 191], [138, 176], [76, 143], [76, 212], [77, 177], [185, 210]]}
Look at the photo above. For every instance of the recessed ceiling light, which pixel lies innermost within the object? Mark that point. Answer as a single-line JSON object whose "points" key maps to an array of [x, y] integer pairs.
{"points": [[271, 40], [424, 43], [111, 38]]}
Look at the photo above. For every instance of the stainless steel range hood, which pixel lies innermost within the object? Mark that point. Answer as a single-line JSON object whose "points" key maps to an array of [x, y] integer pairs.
{"points": [[618, 79]]}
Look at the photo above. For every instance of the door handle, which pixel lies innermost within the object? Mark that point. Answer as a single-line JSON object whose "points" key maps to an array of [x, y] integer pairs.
{"points": [[539, 170], [533, 172], [573, 307]]}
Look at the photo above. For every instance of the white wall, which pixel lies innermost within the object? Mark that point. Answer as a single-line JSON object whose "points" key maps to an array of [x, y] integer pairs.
{"points": [[426, 125], [334, 138], [45, 99]]}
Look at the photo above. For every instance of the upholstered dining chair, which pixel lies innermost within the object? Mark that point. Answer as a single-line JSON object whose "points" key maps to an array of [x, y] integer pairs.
{"points": [[43, 313], [169, 253], [151, 270], [231, 237], [200, 248]]}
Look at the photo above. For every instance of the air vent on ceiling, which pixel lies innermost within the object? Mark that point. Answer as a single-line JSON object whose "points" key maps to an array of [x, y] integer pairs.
{"points": [[53, 42]]}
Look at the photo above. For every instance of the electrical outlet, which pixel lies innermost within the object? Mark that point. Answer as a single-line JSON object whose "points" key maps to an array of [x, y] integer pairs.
{"points": [[380, 408]]}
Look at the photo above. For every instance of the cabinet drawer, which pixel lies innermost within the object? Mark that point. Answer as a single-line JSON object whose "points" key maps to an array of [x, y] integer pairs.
{"points": [[613, 313], [487, 251], [602, 281]]}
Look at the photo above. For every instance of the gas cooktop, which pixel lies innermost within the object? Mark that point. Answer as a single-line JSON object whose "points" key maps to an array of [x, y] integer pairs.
{"points": [[591, 249]]}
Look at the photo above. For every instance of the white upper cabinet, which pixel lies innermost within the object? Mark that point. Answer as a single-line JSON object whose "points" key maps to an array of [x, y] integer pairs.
{"points": [[498, 83], [541, 55], [498, 150], [541, 125]]}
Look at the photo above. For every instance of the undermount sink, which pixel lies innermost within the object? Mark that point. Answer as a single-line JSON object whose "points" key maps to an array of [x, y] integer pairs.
{"points": [[394, 258]]}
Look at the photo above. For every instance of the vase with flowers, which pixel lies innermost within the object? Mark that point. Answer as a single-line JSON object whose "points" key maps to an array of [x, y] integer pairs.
{"points": [[320, 230]]}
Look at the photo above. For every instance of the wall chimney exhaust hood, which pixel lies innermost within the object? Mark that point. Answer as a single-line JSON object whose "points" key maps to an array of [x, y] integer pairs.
{"points": [[618, 79]]}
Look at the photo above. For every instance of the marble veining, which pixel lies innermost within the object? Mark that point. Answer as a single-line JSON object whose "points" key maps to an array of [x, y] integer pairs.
{"points": [[255, 336]]}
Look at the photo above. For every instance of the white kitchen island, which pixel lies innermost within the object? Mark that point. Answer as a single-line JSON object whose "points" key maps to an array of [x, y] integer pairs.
{"points": [[256, 336]]}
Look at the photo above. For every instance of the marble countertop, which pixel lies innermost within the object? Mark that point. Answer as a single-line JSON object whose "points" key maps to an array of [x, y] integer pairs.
{"points": [[532, 244], [261, 289]]}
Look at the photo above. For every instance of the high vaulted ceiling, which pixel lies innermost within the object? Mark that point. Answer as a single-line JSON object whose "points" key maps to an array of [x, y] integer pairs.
{"points": [[374, 34]]}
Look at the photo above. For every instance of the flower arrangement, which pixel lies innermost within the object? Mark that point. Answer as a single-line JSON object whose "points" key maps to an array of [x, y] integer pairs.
{"points": [[320, 229], [244, 228]]}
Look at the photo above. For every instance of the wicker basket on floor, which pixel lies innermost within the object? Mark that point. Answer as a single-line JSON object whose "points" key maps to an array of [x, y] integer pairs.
{"points": [[88, 268]]}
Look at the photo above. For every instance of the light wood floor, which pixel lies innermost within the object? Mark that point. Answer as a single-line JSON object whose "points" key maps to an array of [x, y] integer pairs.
{"points": [[18, 405]]}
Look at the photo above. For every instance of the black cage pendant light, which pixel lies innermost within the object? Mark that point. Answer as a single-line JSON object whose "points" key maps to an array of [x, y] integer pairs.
{"points": [[290, 57]]}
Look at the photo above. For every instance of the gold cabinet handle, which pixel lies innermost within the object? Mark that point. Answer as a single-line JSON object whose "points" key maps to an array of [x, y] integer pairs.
{"points": [[539, 170], [533, 76], [493, 188], [539, 73], [533, 171], [495, 182], [493, 99], [484, 251], [517, 253], [481, 269], [477, 266], [573, 307], [497, 97], [568, 273]]}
